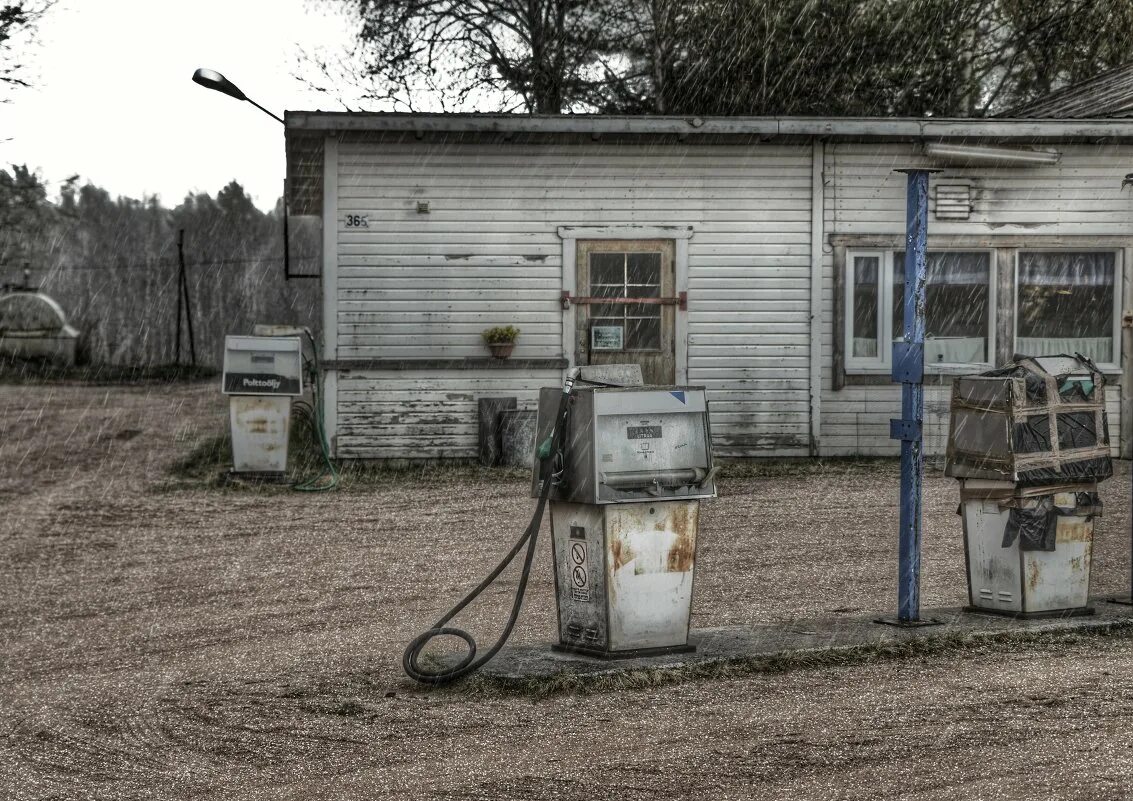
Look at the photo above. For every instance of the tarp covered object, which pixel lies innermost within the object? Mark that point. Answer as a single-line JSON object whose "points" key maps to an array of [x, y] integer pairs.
{"points": [[1035, 422]]}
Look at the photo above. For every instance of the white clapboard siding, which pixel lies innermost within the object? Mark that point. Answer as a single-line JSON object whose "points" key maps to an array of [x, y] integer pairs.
{"points": [[1078, 196], [414, 286], [423, 414]]}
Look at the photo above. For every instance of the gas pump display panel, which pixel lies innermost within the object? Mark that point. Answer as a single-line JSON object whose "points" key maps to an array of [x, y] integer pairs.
{"points": [[633, 444], [262, 366]]}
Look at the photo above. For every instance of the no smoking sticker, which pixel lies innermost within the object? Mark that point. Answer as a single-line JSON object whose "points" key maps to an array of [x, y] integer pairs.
{"points": [[579, 575]]}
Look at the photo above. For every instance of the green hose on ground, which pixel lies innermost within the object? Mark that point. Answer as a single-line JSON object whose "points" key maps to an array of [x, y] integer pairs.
{"points": [[328, 479]]}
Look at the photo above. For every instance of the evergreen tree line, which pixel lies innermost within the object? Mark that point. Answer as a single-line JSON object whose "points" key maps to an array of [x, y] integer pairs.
{"points": [[112, 264]]}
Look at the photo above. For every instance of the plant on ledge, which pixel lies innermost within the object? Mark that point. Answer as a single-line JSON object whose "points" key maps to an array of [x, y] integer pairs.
{"points": [[501, 340]]}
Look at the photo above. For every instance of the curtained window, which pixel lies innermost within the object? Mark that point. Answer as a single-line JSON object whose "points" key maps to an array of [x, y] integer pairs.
{"points": [[1066, 303]]}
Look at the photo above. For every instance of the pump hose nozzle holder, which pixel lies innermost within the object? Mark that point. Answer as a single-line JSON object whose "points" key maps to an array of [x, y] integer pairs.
{"points": [[549, 449]]}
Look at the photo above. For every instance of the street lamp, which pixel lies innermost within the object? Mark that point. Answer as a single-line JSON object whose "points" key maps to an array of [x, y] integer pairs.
{"points": [[211, 79]]}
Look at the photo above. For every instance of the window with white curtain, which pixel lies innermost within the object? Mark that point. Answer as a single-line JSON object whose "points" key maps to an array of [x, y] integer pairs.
{"points": [[1066, 302], [959, 299]]}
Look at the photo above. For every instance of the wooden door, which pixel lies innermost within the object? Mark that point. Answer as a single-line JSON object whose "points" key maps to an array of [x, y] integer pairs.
{"points": [[637, 324]]}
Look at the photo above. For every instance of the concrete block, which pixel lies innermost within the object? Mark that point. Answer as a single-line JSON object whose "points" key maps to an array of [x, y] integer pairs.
{"points": [[489, 413], [517, 436]]}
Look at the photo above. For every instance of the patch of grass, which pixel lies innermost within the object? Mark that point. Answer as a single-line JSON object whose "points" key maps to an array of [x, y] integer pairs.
{"points": [[348, 709], [363, 473], [214, 456], [205, 460], [974, 643], [208, 463], [22, 371], [756, 467]]}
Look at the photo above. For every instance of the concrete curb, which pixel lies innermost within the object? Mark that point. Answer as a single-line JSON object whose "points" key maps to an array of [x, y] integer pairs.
{"points": [[796, 644]]}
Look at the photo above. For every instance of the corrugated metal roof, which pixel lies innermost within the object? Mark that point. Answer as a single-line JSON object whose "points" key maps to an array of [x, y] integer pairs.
{"points": [[1107, 95]]}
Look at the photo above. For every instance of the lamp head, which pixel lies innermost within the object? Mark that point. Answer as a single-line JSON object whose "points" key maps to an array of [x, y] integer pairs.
{"points": [[211, 79]]}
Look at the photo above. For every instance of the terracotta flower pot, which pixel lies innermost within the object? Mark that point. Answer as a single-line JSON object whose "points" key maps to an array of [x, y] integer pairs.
{"points": [[501, 350]]}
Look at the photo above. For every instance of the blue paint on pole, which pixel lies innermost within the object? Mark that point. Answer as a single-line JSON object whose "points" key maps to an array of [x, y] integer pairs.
{"points": [[908, 368]]}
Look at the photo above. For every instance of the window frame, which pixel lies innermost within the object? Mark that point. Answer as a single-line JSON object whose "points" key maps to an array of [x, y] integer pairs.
{"points": [[626, 286], [884, 314], [883, 362], [1118, 285]]}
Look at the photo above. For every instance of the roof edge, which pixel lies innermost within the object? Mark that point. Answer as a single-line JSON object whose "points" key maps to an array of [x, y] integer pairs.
{"points": [[326, 122]]}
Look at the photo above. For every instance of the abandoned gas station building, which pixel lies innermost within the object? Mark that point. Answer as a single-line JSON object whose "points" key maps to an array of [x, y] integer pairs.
{"points": [[766, 252]]}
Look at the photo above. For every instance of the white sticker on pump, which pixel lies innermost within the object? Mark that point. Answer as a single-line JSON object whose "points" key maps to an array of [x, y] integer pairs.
{"points": [[579, 572]]}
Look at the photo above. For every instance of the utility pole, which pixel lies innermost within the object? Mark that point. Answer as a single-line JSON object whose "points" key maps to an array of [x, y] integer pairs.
{"points": [[183, 300], [908, 369]]}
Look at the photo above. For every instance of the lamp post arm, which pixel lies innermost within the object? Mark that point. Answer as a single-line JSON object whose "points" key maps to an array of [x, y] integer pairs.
{"points": [[265, 111]]}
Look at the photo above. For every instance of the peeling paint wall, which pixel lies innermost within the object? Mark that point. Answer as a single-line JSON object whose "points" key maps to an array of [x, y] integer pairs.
{"points": [[414, 285]]}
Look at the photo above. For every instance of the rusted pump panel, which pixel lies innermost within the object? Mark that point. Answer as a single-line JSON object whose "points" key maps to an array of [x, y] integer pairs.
{"points": [[624, 575], [1008, 574], [260, 428]]}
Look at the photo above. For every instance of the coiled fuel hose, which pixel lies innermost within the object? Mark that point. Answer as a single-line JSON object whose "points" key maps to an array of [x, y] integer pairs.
{"points": [[549, 450]]}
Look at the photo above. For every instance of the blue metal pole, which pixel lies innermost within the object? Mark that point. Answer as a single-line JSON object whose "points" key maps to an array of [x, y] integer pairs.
{"points": [[908, 368]]}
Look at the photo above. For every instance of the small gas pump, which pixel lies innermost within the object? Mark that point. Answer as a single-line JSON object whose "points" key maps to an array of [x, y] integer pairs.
{"points": [[624, 468], [625, 504], [261, 376]]}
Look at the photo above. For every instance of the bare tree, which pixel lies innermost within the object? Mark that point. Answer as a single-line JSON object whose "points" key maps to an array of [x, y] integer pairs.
{"points": [[541, 56], [18, 22]]}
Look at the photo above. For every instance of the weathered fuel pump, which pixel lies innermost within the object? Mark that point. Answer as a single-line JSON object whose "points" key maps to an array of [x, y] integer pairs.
{"points": [[625, 502], [624, 468], [1029, 443]]}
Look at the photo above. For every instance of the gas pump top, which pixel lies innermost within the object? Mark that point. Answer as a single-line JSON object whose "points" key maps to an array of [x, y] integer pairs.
{"points": [[262, 366], [626, 444]]}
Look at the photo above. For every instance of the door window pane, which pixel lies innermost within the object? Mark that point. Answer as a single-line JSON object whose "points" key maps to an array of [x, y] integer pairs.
{"points": [[957, 306], [867, 270], [607, 268], [643, 268], [1066, 304], [628, 275], [643, 333]]}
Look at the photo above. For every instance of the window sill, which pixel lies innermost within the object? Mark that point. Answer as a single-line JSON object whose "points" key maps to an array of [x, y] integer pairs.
{"points": [[937, 376], [929, 369], [885, 379]]}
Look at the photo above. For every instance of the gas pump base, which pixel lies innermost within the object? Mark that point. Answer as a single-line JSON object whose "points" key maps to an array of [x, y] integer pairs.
{"points": [[230, 477], [637, 653], [623, 576], [908, 624], [1078, 611]]}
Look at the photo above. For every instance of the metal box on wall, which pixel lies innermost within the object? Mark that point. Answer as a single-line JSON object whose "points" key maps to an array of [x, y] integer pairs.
{"points": [[630, 444], [261, 374]]}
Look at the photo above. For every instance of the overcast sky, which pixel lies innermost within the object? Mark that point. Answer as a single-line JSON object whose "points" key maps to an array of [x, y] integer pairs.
{"points": [[114, 102]]}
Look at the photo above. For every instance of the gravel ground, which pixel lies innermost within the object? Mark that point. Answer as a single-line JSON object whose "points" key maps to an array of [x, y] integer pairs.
{"points": [[162, 639]]}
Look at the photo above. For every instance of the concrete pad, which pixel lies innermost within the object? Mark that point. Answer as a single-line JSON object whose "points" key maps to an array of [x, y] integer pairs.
{"points": [[799, 639]]}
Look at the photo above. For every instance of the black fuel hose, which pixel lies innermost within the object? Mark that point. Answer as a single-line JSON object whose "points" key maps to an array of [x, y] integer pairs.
{"points": [[469, 664]]}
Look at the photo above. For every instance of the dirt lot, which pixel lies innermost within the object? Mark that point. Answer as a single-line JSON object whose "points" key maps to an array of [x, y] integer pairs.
{"points": [[163, 639]]}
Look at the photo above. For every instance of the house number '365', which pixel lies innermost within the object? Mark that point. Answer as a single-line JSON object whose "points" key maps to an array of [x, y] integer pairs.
{"points": [[357, 221]]}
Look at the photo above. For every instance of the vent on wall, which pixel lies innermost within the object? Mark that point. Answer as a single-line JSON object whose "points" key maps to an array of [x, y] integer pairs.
{"points": [[953, 201]]}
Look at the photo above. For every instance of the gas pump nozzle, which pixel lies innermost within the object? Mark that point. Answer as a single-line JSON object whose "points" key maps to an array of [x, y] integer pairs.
{"points": [[545, 447]]}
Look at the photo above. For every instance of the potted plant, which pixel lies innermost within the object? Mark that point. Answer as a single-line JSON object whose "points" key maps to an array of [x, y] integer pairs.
{"points": [[501, 340]]}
